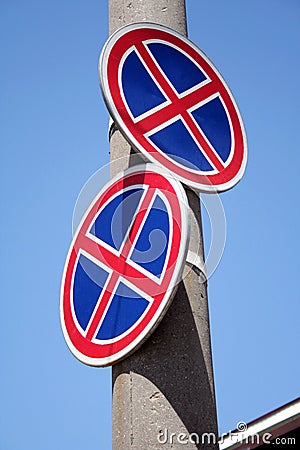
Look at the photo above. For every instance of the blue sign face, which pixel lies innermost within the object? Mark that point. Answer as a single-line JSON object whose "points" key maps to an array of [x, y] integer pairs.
{"points": [[173, 105], [123, 265]]}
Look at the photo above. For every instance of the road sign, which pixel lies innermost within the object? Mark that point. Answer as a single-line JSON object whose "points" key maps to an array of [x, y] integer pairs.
{"points": [[123, 265], [171, 104]]}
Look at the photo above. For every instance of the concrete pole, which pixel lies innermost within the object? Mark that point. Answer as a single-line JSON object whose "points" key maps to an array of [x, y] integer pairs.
{"points": [[166, 387]]}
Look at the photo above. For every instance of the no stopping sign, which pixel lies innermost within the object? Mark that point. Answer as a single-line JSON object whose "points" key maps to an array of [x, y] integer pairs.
{"points": [[124, 264], [172, 105]]}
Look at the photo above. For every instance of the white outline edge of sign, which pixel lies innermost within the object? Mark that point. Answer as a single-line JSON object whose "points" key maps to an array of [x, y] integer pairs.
{"points": [[172, 288], [206, 189]]}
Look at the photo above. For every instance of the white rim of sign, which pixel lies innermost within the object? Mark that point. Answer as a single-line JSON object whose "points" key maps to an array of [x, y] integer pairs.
{"points": [[103, 60], [175, 279]]}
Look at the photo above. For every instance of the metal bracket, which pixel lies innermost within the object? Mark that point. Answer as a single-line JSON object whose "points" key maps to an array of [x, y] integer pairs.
{"points": [[194, 260], [112, 127]]}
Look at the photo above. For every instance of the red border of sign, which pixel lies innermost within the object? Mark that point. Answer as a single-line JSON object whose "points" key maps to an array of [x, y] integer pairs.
{"points": [[102, 355], [109, 64]]}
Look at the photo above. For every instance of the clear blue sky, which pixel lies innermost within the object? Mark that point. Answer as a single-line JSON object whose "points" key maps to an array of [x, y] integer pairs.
{"points": [[54, 137]]}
